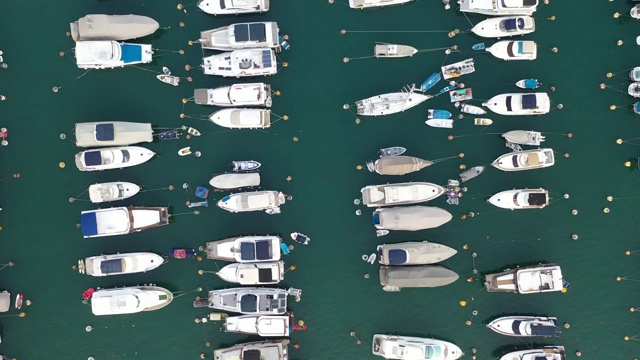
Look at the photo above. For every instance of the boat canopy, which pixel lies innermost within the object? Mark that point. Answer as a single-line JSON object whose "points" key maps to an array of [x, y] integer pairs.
{"points": [[514, 24], [112, 27], [542, 330], [410, 218], [529, 101], [93, 158], [249, 303]]}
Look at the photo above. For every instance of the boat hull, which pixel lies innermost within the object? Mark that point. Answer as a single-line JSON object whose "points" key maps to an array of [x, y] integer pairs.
{"points": [[249, 300], [255, 94], [525, 160], [514, 50], [523, 137], [245, 249], [252, 201], [261, 325], [242, 118], [400, 194], [112, 158], [247, 7], [112, 191], [522, 326], [111, 54], [393, 51], [391, 103], [410, 218], [129, 300], [398, 165], [546, 353], [241, 36], [519, 104], [112, 27], [520, 199], [526, 280], [493, 8], [367, 4]]}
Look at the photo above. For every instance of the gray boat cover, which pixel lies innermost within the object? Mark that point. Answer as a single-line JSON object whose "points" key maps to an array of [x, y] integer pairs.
{"points": [[112, 27], [235, 180], [416, 276], [400, 165], [410, 218], [112, 133], [414, 253], [522, 137], [201, 96], [5, 301]]}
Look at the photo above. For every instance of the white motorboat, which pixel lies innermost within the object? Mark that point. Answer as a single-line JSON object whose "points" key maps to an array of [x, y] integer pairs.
{"points": [[410, 218], [472, 109], [129, 300], [112, 133], [482, 121], [249, 300], [524, 137], [262, 34], [121, 220], [233, 7], [514, 50], [413, 253], [264, 273], [241, 63], [545, 353], [458, 69], [242, 118], [260, 350], [112, 27], [261, 325], [267, 201], [519, 104], [400, 194], [503, 7], [505, 26], [254, 94], [634, 89], [396, 278], [111, 54], [525, 160], [300, 238], [414, 348], [169, 79], [526, 280], [112, 158], [397, 165], [440, 123], [525, 326], [119, 264], [245, 165], [393, 51], [245, 249], [520, 199], [365, 4], [112, 191], [233, 181], [391, 103], [635, 12], [391, 151]]}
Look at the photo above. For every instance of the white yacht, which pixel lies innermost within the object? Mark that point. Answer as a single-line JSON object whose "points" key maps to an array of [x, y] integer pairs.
{"points": [[410, 218], [112, 191], [520, 199], [241, 63], [502, 7], [526, 280], [245, 249], [525, 160], [121, 220], [261, 325], [366, 4], [242, 118], [249, 300], [119, 264], [111, 54], [545, 353], [233, 181], [397, 165], [241, 36], [414, 348], [525, 326], [112, 158], [232, 7], [112, 133], [254, 94], [259, 350], [264, 273], [400, 194], [413, 253], [393, 51], [524, 137], [129, 300], [391, 103], [505, 26], [112, 27], [519, 104], [514, 50], [268, 201]]}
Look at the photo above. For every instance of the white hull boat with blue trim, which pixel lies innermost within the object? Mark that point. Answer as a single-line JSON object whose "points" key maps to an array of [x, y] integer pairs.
{"points": [[505, 26], [391, 103], [413, 253], [242, 63], [254, 94], [245, 249], [634, 74], [634, 89], [112, 158], [520, 199], [519, 104], [525, 160], [263, 34], [522, 326], [545, 353], [526, 280], [111, 54], [528, 84], [119, 264], [112, 191], [233, 7], [264, 273], [414, 348], [365, 4], [121, 220], [499, 7], [400, 194], [261, 325], [129, 300], [267, 201], [514, 50]]}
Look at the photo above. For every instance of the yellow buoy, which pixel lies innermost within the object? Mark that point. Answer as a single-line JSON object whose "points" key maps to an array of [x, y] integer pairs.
{"points": [[627, 163], [564, 290], [182, 116], [609, 74], [632, 309], [626, 338], [627, 252], [618, 278], [616, 15], [612, 107], [285, 118], [463, 303], [184, 100], [285, 64], [359, 167], [200, 272], [606, 210], [278, 93], [619, 42], [62, 164]]}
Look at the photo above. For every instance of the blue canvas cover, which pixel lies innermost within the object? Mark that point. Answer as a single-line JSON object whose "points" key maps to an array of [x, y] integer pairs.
{"points": [[131, 53], [397, 257], [529, 101], [92, 158], [263, 250], [249, 303], [89, 224], [543, 330], [247, 251], [376, 219], [105, 132], [510, 24], [531, 83], [111, 266]]}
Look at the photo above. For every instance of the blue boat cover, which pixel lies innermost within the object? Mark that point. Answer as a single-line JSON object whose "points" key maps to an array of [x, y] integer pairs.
{"points": [[266, 58], [285, 249], [431, 81], [111, 266], [531, 83], [520, 47], [248, 303], [529, 101], [543, 330], [397, 257], [263, 250], [520, 23], [89, 224], [131, 53], [510, 24], [247, 251], [376, 219], [92, 158], [104, 132], [537, 199], [202, 192]]}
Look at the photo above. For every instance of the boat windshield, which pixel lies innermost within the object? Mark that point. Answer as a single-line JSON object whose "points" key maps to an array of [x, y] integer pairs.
{"points": [[120, 190], [125, 156], [432, 352]]}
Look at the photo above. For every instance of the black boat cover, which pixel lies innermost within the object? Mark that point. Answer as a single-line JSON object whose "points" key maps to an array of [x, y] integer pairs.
{"points": [[250, 32], [264, 275], [105, 132], [251, 355], [508, 103], [543, 330], [537, 199]]}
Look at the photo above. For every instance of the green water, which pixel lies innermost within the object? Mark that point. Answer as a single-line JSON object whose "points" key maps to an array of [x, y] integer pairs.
{"points": [[39, 224]]}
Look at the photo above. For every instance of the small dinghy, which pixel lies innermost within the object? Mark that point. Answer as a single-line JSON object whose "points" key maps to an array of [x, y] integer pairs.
{"points": [[193, 131], [635, 12], [636, 108], [300, 238], [393, 51], [185, 151], [181, 253], [285, 249], [247, 165], [440, 123], [391, 151], [524, 137], [383, 232], [431, 81], [472, 109], [169, 135], [169, 79], [528, 84], [478, 46], [471, 173], [482, 121], [460, 95], [166, 71], [438, 114], [18, 302]]}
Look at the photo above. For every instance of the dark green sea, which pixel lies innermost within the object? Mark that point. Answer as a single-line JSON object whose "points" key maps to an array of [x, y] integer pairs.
{"points": [[38, 222]]}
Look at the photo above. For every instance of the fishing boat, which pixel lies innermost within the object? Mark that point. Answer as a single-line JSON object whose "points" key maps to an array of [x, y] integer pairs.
{"points": [[233, 7], [263, 273], [397, 165], [243, 118], [300, 238], [546, 353], [111, 54], [430, 82], [438, 114], [245, 249], [267, 201], [634, 74], [458, 69], [121, 220], [525, 160], [440, 123], [634, 89], [264, 34], [129, 300], [472, 109], [514, 50], [413, 253], [400, 194], [248, 300], [112, 191], [525, 326], [185, 151], [112, 133], [364, 4], [505, 26], [169, 135], [526, 280], [410, 218], [528, 84], [393, 51], [391, 103], [482, 121], [519, 104], [235, 181], [193, 132], [391, 151], [635, 12], [181, 253], [413, 348], [493, 8], [395, 278], [524, 137], [246, 165], [253, 94], [169, 79], [520, 199], [471, 173], [112, 27], [119, 264], [242, 63], [460, 95], [259, 350], [261, 325], [112, 158]]}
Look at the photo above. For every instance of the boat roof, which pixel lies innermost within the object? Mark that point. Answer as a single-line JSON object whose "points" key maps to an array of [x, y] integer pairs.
{"points": [[235, 180], [112, 133], [250, 32], [258, 250]]}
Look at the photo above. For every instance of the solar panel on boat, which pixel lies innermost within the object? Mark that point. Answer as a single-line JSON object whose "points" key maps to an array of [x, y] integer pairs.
{"points": [[266, 58], [105, 132], [529, 101]]}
